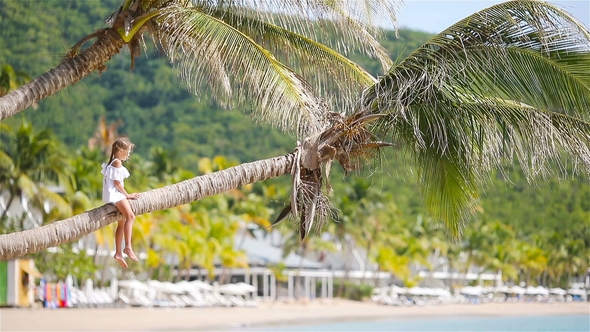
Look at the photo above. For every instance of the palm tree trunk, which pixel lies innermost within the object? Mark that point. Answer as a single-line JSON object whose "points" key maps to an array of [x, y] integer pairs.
{"points": [[558, 279], [68, 72], [187, 275], [299, 269], [33, 240], [528, 278], [544, 279], [225, 275], [160, 272], [366, 262], [349, 249]]}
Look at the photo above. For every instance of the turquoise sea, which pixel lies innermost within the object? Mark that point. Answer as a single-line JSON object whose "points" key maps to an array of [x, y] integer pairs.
{"points": [[528, 323]]}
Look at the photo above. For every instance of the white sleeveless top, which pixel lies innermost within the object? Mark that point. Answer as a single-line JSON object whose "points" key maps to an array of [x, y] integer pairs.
{"points": [[110, 194]]}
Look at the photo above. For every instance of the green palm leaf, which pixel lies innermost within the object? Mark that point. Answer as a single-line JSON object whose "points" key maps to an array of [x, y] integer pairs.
{"points": [[346, 26], [331, 74], [271, 58], [199, 44], [6, 167], [507, 83], [52, 202]]}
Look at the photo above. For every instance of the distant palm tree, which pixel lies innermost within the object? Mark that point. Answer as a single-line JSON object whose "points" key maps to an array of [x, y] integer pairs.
{"points": [[30, 162], [576, 262], [218, 233], [293, 244], [532, 261], [104, 136], [398, 265], [163, 163], [11, 79], [502, 253], [507, 83]]}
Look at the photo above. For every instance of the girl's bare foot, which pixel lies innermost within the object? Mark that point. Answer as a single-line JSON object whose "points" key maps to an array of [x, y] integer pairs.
{"points": [[121, 261], [129, 252]]}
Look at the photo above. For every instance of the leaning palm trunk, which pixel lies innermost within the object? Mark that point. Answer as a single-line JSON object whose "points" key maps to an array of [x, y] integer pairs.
{"points": [[507, 84], [30, 241], [71, 70]]}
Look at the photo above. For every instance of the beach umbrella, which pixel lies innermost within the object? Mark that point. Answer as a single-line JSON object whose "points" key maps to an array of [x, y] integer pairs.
{"points": [[576, 291], [415, 291], [472, 290], [502, 289], [383, 292], [164, 287], [420, 291], [542, 290], [557, 291], [232, 289], [186, 286], [539, 290], [133, 284], [516, 290], [398, 290], [530, 290], [183, 283], [246, 287], [172, 288], [441, 292], [201, 285]]}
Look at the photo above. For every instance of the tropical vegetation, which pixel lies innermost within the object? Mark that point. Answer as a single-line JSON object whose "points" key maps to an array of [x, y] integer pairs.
{"points": [[532, 248], [493, 89]]}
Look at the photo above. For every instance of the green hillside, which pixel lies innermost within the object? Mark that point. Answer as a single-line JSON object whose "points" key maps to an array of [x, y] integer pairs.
{"points": [[156, 110]]}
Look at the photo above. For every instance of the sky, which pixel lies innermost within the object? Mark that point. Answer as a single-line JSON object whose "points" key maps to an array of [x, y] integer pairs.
{"points": [[436, 15]]}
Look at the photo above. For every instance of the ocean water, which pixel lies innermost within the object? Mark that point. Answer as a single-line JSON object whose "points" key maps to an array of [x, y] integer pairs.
{"points": [[527, 323]]}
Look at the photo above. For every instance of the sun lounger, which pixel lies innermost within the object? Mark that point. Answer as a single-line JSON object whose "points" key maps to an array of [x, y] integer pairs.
{"points": [[136, 301]]}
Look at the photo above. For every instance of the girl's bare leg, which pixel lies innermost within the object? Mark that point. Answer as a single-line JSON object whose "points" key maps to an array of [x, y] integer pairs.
{"points": [[125, 208], [118, 243]]}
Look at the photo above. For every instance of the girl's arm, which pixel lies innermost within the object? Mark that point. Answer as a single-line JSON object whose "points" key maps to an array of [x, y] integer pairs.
{"points": [[117, 163], [120, 187]]}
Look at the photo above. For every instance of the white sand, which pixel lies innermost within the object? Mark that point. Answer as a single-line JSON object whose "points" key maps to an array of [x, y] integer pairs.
{"points": [[266, 314]]}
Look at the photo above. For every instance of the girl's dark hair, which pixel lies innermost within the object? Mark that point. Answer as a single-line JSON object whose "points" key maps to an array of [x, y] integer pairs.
{"points": [[121, 143]]}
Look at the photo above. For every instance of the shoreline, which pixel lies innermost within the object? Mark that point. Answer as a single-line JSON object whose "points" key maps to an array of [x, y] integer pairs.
{"points": [[265, 316]]}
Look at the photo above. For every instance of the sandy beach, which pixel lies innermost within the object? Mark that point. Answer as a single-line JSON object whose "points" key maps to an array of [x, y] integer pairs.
{"points": [[265, 315]]}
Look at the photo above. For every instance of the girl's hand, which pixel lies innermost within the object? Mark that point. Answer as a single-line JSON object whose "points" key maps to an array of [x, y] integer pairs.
{"points": [[133, 196]]}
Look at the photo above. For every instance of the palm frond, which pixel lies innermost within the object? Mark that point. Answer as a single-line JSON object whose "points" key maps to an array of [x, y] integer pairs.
{"points": [[26, 186], [206, 49], [506, 84], [345, 25], [6, 166], [458, 145], [52, 202], [500, 52], [333, 76], [231, 46]]}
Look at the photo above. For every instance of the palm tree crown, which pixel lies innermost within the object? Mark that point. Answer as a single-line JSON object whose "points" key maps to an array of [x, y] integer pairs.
{"points": [[507, 83]]}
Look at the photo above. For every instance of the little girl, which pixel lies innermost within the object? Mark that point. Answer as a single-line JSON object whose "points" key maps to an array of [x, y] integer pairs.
{"points": [[113, 192]]}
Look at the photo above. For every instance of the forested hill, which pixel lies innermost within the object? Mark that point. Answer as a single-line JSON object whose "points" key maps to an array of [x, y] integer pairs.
{"points": [[151, 101], [156, 110]]}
